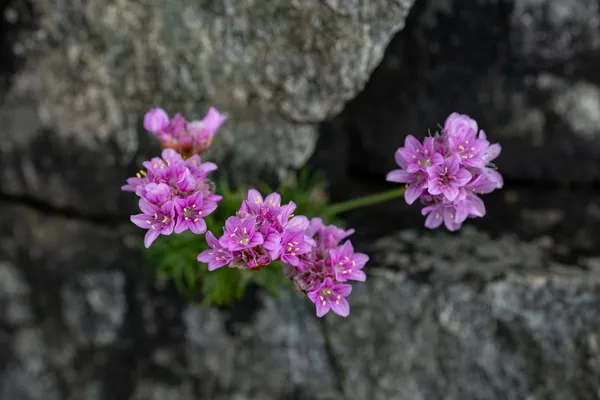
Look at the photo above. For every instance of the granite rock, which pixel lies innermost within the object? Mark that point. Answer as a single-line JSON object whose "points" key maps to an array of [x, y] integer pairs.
{"points": [[90, 69], [473, 324], [459, 316], [526, 70]]}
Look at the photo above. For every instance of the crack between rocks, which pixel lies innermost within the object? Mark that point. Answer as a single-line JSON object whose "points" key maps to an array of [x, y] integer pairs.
{"points": [[338, 371], [102, 219]]}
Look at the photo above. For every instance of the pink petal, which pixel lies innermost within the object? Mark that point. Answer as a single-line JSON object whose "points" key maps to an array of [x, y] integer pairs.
{"points": [[208, 207], [254, 197], [357, 275], [341, 307], [198, 227], [434, 220], [412, 193], [343, 290], [181, 224], [150, 237], [148, 208], [321, 309], [141, 220], [400, 176], [274, 199], [450, 192], [399, 159], [412, 143], [462, 177]]}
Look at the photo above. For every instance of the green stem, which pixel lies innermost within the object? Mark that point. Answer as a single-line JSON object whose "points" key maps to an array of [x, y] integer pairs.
{"points": [[363, 201]]}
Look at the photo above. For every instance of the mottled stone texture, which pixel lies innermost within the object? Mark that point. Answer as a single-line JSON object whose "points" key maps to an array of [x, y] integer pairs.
{"points": [[471, 315], [526, 70], [442, 316], [92, 68]]}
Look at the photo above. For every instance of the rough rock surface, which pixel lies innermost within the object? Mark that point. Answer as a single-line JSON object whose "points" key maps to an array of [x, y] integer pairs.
{"points": [[453, 316], [92, 68], [471, 315], [526, 70]]}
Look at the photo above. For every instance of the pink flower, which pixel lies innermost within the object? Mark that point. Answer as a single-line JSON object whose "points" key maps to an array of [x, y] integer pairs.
{"points": [[448, 172], [191, 212], [158, 220], [447, 178], [330, 296], [240, 234], [347, 264], [216, 256]]}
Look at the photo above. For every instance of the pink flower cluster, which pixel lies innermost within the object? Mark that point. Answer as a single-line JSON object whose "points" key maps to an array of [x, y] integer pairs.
{"points": [[264, 231], [175, 195], [448, 172], [187, 138]]}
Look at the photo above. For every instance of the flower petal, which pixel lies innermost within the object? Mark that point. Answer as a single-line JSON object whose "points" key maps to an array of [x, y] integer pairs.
{"points": [[412, 193], [147, 208], [141, 220], [343, 289], [462, 177], [198, 227], [434, 219], [208, 207], [450, 192], [322, 309], [400, 159], [274, 199], [254, 197], [181, 225], [341, 307], [357, 275], [400, 176], [150, 237], [256, 239], [412, 143]]}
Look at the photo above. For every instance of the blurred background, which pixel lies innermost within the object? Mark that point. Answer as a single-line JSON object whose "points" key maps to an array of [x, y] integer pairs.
{"points": [[506, 308]]}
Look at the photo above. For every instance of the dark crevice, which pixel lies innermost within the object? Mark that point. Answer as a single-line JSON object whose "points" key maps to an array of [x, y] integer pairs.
{"points": [[243, 311], [124, 364], [106, 220], [15, 16], [166, 306], [338, 371]]}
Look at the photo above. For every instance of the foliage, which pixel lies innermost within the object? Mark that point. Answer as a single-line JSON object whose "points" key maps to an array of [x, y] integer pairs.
{"points": [[175, 255]]}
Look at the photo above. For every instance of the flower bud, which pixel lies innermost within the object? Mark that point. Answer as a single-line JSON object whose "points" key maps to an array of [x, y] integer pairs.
{"points": [[156, 120]]}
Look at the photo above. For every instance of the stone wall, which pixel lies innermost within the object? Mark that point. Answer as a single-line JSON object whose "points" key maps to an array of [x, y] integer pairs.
{"points": [[526, 70], [507, 308]]}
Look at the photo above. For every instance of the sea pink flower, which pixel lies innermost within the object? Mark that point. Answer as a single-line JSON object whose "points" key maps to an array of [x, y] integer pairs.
{"points": [[449, 172], [216, 256], [447, 178], [330, 296], [240, 234], [158, 220], [191, 212], [347, 264]]}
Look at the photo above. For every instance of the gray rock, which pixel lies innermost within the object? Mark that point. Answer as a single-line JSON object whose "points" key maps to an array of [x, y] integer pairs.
{"points": [[94, 307], [463, 332], [28, 376], [280, 354], [93, 68], [458, 316], [550, 31], [149, 390], [525, 70], [15, 307]]}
